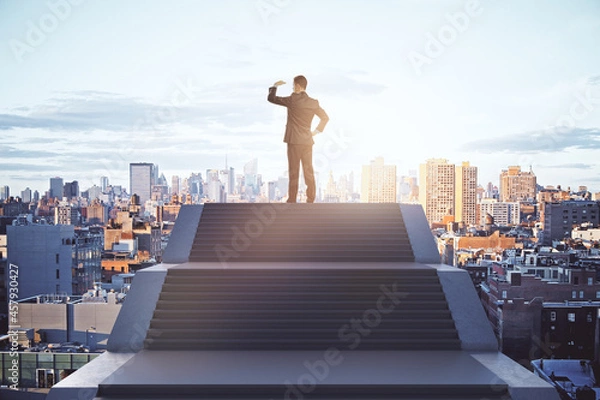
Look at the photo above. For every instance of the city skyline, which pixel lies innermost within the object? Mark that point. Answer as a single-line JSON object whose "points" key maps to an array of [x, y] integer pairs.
{"points": [[492, 83], [322, 181]]}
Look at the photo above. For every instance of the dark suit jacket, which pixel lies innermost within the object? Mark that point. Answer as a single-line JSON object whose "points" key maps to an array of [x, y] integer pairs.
{"points": [[301, 110]]}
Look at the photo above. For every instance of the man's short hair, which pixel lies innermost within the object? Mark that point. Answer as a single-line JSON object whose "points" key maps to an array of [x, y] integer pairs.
{"points": [[301, 81]]}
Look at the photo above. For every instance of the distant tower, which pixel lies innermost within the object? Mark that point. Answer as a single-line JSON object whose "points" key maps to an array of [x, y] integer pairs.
{"points": [[378, 182], [141, 177], [4, 192], [104, 183], [26, 195], [466, 194], [175, 182], [437, 188], [56, 187]]}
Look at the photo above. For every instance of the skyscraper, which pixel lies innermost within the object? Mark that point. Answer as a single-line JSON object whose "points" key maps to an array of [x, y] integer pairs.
{"points": [[378, 182], [104, 183], [466, 194], [26, 195], [516, 185], [175, 181], [71, 190], [437, 188], [4, 192], [141, 180], [56, 188]]}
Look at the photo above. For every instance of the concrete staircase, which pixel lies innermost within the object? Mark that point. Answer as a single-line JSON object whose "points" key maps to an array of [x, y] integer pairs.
{"points": [[301, 232], [270, 286], [301, 309]]}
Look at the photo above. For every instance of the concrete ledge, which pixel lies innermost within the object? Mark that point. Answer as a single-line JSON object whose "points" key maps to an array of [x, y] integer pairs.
{"points": [[522, 383], [184, 232], [132, 324], [420, 236], [83, 383], [473, 326]]}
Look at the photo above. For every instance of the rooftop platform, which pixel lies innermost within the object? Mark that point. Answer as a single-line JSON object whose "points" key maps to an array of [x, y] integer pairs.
{"points": [[316, 301]]}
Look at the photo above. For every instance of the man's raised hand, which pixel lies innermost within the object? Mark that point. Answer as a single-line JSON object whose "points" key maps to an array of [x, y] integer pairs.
{"points": [[279, 83]]}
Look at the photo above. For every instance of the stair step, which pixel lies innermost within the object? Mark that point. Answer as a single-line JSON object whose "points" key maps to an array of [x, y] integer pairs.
{"points": [[366, 343], [325, 322]]}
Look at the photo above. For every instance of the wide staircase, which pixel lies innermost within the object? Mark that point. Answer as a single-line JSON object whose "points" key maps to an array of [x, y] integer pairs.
{"points": [[301, 232], [286, 283], [301, 309]]}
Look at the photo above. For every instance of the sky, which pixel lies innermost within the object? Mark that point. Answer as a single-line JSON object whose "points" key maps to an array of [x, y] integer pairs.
{"points": [[89, 86]]}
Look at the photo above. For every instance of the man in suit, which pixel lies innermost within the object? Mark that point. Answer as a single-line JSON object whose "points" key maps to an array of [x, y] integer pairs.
{"points": [[298, 135]]}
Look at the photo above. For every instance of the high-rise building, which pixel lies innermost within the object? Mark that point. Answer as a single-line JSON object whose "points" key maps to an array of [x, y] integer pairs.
{"points": [[26, 195], [4, 193], [71, 190], [56, 188], [141, 179], [378, 182], [251, 184], [466, 194], [104, 183], [227, 178], [175, 182], [516, 185], [437, 189]]}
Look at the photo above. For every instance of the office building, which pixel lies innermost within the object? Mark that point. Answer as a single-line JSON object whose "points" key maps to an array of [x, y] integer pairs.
{"points": [[56, 188], [71, 190], [104, 183], [466, 194], [26, 196], [141, 179], [437, 189], [87, 258], [175, 183], [517, 185], [4, 193], [378, 182]]}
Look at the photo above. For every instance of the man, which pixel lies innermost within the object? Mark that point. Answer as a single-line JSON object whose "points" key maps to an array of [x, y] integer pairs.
{"points": [[298, 135]]}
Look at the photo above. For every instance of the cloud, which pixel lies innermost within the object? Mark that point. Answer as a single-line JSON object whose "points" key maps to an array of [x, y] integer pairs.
{"points": [[594, 80], [550, 140], [567, 166], [93, 110], [342, 84]]}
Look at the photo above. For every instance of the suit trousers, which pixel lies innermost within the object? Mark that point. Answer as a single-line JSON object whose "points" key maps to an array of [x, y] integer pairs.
{"points": [[298, 153]]}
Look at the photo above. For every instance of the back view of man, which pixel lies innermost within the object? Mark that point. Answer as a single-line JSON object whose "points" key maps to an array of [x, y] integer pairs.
{"points": [[298, 135]]}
